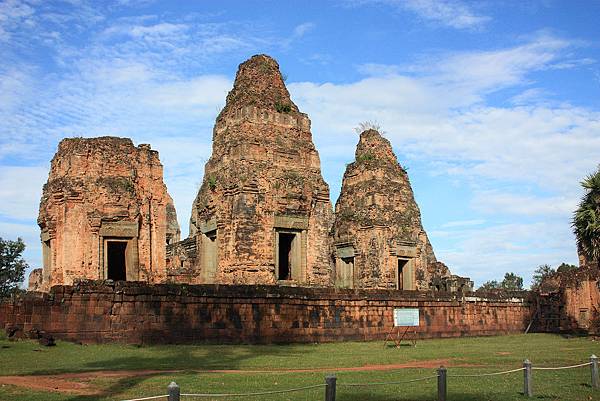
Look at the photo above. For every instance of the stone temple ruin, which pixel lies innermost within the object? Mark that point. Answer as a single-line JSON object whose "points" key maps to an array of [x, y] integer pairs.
{"points": [[105, 214], [261, 216], [378, 238]]}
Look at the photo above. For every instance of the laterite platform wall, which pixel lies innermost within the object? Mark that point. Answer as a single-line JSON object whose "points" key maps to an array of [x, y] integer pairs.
{"points": [[141, 313]]}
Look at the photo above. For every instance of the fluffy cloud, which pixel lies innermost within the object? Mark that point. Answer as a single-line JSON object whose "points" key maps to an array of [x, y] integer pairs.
{"points": [[487, 253], [12, 13], [20, 191], [450, 13], [455, 14], [518, 159], [441, 115]]}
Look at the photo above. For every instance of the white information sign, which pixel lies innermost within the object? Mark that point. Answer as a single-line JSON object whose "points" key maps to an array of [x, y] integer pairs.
{"points": [[406, 317]]}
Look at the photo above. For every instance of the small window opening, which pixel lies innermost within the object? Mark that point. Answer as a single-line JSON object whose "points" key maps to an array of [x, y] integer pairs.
{"points": [[116, 260]]}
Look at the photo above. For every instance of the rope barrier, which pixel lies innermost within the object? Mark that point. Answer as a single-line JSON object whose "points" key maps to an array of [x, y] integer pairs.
{"points": [[148, 398], [489, 374], [385, 383], [253, 394], [363, 384], [562, 367]]}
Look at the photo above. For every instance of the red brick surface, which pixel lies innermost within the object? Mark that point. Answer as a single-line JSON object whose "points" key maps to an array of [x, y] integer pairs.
{"points": [[142, 313]]}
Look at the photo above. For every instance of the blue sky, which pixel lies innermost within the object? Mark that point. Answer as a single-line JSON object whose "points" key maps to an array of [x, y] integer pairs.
{"points": [[493, 106]]}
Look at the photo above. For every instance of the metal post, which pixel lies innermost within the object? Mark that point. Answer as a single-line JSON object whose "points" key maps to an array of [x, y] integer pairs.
{"points": [[527, 379], [174, 392], [330, 388], [594, 367], [442, 389]]}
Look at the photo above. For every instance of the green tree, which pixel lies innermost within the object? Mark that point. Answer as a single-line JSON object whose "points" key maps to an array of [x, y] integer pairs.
{"points": [[586, 219], [565, 267], [12, 266], [540, 274], [490, 285], [512, 282]]}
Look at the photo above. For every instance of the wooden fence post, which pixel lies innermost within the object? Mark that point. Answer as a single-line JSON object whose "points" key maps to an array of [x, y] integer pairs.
{"points": [[527, 378], [174, 392], [442, 388], [594, 368], [330, 387]]}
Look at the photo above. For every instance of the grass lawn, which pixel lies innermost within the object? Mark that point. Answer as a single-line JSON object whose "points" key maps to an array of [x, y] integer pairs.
{"points": [[260, 368]]}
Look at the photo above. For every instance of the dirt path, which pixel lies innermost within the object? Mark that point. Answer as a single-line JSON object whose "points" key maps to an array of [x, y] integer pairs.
{"points": [[79, 383]]}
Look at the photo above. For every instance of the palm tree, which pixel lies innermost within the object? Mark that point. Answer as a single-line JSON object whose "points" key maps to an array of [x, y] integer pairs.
{"points": [[586, 221]]}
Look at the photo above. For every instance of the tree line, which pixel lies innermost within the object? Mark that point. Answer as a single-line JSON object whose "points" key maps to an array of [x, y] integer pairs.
{"points": [[513, 282]]}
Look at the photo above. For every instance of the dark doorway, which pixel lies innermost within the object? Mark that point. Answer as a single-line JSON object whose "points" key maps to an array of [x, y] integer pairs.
{"points": [[115, 253], [401, 264], [285, 256]]}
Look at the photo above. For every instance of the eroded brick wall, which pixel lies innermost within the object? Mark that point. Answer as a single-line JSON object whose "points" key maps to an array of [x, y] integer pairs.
{"points": [[569, 302], [140, 313]]}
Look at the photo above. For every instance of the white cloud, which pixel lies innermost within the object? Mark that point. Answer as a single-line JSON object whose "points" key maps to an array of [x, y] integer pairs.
{"points": [[12, 13], [487, 253], [298, 33], [530, 96], [441, 117], [497, 202], [303, 29], [374, 69], [463, 223], [482, 72], [20, 191], [450, 13], [158, 34], [15, 85]]}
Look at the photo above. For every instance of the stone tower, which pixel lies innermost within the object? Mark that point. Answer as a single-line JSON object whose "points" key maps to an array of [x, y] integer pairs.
{"points": [[379, 241], [105, 213], [262, 214]]}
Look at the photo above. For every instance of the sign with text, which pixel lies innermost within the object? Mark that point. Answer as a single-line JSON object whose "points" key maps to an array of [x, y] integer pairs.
{"points": [[406, 317]]}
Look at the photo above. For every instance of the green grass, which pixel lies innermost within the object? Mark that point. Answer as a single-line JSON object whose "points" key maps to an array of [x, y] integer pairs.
{"points": [[484, 354]]}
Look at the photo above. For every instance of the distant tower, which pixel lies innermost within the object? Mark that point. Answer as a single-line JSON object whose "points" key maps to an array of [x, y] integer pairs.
{"points": [[263, 214], [105, 213], [379, 241]]}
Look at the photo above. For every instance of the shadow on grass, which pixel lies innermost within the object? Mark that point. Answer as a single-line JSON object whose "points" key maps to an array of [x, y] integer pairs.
{"points": [[179, 359]]}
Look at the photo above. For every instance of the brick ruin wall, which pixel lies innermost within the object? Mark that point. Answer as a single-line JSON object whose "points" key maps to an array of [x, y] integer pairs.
{"points": [[568, 302], [142, 313]]}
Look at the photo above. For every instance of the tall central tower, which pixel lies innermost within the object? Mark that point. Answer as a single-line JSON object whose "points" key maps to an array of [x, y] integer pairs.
{"points": [[262, 214]]}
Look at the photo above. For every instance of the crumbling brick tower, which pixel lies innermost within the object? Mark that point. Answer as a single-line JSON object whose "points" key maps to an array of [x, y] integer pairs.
{"points": [[105, 213], [379, 241], [262, 214]]}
